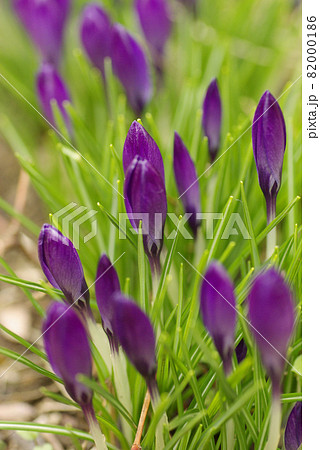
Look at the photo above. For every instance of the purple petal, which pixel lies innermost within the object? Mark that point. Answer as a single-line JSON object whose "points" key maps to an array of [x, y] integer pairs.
{"points": [[218, 310], [96, 34], [135, 333], [45, 22], [131, 67], [145, 200], [67, 346], [154, 18], [139, 142], [107, 283], [271, 314], [211, 118], [269, 143], [293, 433], [61, 264], [50, 86], [187, 181]]}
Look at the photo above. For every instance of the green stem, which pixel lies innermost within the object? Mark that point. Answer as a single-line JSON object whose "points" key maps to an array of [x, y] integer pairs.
{"points": [[272, 235], [122, 386], [94, 427], [101, 341], [275, 422], [155, 400]]}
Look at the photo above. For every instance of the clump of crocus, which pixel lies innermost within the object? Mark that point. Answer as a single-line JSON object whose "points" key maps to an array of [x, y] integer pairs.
{"points": [[130, 65], [61, 265], [293, 433], [271, 315], [136, 336], [67, 346], [211, 118], [51, 88], [269, 143], [187, 181], [146, 201], [45, 22], [154, 18], [139, 143], [218, 310], [96, 33], [107, 283]]}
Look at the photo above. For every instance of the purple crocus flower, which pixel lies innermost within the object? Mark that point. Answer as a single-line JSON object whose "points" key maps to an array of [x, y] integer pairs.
{"points": [[139, 143], [107, 283], [51, 87], [136, 336], [271, 315], [61, 265], [211, 118], [145, 200], [130, 65], [269, 143], [187, 181], [241, 351], [293, 433], [67, 346], [154, 18], [96, 34], [45, 21], [218, 310]]}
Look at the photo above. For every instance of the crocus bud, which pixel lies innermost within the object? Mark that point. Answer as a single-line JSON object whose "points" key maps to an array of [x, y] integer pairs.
{"points": [[269, 143], [61, 265], [51, 87], [293, 433], [154, 18], [96, 34], [107, 283], [241, 351], [218, 310], [146, 200], [136, 336], [187, 181], [211, 118], [271, 316], [67, 346], [139, 143], [45, 22], [130, 65]]}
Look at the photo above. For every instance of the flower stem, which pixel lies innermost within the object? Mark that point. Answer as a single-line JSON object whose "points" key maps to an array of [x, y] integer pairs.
{"points": [[272, 235], [155, 400], [143, 415], [122, 388], [275, 422], [100, 340], [94, 428]]}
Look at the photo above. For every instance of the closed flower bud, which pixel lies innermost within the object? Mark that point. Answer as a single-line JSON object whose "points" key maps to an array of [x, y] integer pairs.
{"points": [[136, 336], [51, 87], [107, 283], [293, 433], [187, 182], [269, 143], [145, 200], [61, 265], [271, 316], [67, 346], [139, 143], [154, 18], [211, 118], [96, 34], [218, 310], [130, 65], [45, 22]]}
